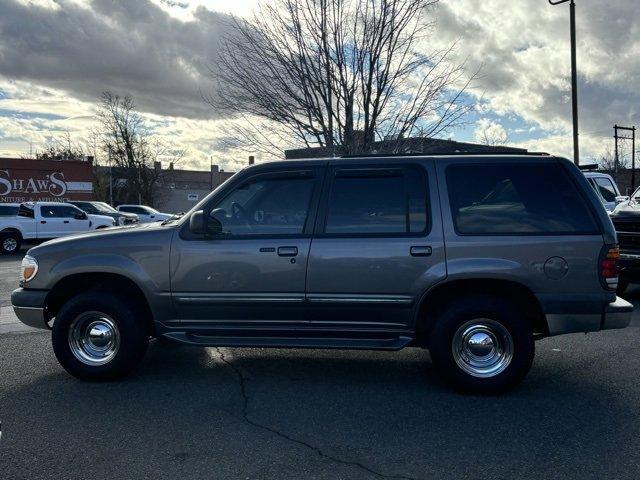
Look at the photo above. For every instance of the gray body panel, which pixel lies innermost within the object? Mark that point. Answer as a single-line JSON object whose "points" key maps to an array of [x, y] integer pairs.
{"points": [[202, 291], [223, 282], [375, 281]]}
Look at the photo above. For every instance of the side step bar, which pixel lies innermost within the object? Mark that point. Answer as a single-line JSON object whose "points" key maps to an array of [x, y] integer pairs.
{"points": [[395, 343]]}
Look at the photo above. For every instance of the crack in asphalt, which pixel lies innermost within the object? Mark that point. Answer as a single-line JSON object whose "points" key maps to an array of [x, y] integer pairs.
{"points": [[245, 415]]}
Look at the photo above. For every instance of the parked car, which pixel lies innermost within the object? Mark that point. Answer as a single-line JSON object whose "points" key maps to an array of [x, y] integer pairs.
{"points": [[626, 220], [606, 188], [102, 208], [45, 220], [457, 254], [9, 209], [145, 214]]}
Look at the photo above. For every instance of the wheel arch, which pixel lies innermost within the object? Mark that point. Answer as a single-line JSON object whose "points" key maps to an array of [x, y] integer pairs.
{"points": [[12, 230], [76, 283], [436, 298]]}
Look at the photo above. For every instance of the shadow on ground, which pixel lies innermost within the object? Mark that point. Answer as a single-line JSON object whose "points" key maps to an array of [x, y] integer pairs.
{"points": [[253, 413]]}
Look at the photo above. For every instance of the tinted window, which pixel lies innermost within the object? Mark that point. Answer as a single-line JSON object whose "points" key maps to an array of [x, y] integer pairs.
{"points": [[514, 199], [86, 206], [377, 202], [267, 206], [138, 210], [58, 211], [606, 189], [8, 211]]}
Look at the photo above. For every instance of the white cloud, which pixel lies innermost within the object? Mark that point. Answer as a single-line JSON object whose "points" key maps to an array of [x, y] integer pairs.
{"points": [[523, 48], [490, 132], [57, 57]]}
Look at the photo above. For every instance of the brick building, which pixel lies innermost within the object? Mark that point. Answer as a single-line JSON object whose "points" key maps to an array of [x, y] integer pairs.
{"points": [[176, 190]]}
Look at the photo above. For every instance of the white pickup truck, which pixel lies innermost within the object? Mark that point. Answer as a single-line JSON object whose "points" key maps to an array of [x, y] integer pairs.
{"points": [[45, 220]]}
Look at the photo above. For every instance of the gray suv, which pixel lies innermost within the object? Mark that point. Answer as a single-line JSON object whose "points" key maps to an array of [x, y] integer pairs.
{"points": [[461, 255]]}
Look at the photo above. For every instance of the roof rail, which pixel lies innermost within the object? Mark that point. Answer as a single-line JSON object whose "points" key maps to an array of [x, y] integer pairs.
{"points": [[588, 166], [442, 154]]}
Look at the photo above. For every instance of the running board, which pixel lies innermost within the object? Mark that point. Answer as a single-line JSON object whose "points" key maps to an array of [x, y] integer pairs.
{"points": [[394, 343]]}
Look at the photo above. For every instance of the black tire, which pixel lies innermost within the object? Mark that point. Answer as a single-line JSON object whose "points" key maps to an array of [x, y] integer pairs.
{"points": [[128, 317], [505, 317], [623, 284], [10, 243]]}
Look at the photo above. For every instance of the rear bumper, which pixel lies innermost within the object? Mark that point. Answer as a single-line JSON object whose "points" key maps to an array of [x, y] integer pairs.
{"points": [[29, 307], [614, 315]]}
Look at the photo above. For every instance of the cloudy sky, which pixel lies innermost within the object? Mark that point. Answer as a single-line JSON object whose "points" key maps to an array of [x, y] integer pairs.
{"points": [[56, 57]]}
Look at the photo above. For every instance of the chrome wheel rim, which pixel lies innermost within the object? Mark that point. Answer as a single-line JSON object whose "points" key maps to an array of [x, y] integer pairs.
{"points": [[9, 244], [482, 347], [94, 338]]}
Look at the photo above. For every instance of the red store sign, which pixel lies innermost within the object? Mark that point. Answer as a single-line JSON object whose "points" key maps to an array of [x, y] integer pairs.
{"points": [[24, 180]]}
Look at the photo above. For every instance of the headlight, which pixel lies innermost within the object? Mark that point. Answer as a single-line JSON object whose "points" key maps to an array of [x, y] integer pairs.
{"points": [[29, 268]]}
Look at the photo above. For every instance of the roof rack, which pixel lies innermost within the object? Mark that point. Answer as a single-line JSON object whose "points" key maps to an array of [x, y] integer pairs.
{"points": [[442, 154], [588, 166]]}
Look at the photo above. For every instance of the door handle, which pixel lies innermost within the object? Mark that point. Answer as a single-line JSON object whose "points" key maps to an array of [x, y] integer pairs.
{"points": [[420, 251], [43, 221], [66, 221], [287, 251]]}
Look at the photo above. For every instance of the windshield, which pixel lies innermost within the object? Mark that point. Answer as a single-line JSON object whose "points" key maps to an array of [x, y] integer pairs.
{"points": [[104, 207]]}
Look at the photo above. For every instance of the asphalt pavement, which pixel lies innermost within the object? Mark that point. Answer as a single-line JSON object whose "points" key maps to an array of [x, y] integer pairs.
{"points": [[289, 414]]}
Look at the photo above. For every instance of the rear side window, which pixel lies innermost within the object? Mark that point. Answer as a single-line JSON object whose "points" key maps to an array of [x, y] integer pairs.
{"points": [[516, 199], [8, 210], [606, 189], [378, 201]]}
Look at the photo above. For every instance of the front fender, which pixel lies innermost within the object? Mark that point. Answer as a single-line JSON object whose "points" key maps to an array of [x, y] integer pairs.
{"points": [[103, 263]]}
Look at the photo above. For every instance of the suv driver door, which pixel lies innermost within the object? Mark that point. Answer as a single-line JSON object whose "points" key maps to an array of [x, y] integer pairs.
{"points": [[249, 273]]}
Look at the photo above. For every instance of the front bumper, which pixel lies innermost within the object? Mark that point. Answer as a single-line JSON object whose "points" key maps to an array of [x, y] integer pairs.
{"points": [[29, 307], [614, 315]]}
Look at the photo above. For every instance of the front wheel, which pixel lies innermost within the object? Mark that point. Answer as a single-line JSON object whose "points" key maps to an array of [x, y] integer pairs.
{"points": [[482, 344], [10, 243], [99, 336]]}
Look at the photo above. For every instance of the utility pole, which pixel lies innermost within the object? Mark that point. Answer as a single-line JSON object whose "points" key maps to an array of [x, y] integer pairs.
{"points": [[110, 177], [617, 137], [574, 76]]}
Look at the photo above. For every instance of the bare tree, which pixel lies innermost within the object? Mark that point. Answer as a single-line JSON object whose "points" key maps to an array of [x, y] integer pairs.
{"points": [[64, 148], [131, 148], [339, 74], [607, 161]]}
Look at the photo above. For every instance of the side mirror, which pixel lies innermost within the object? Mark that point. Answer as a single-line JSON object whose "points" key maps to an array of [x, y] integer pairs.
{"points": [[80, 216], [197, 224], [621, 198]]}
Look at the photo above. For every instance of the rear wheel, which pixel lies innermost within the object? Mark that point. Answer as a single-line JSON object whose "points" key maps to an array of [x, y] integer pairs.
{"points": [[482, 344], [10, 243], [99, 336]]}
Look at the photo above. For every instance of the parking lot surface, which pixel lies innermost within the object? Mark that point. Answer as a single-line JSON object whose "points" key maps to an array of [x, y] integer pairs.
{"points": [[272, 414]]}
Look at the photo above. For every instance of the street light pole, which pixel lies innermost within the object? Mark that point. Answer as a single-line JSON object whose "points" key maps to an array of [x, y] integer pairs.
{"points": [[574, 76]]}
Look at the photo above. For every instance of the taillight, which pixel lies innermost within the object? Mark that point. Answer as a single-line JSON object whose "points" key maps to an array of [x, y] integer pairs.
{"points": [[609, 267]]}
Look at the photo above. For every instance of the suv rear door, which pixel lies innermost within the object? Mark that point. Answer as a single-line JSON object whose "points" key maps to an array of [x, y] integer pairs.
{"points": [[378, 245], [252, 274]]}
